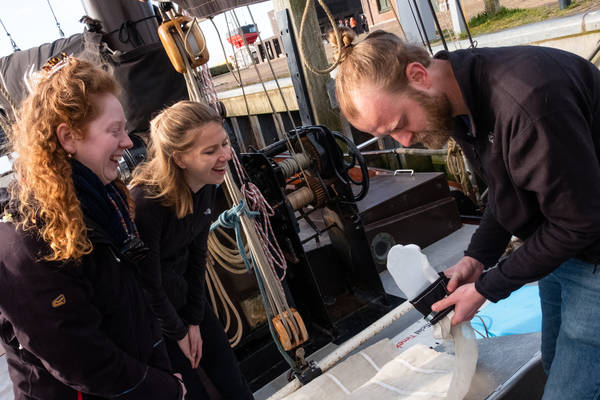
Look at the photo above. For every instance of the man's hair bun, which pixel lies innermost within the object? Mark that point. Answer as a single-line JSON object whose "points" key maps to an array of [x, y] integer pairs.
{"points": [[347, 37]]}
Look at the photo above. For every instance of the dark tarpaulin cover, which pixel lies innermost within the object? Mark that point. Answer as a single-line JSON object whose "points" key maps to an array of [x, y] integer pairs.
{"points": [[149, 81], [14, 66]]}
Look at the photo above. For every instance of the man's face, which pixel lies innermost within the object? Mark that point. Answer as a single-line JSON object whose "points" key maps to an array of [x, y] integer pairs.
{"points": [[410, 116]]}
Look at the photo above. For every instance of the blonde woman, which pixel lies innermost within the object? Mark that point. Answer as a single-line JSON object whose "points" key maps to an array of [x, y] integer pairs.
{"points": [[73, 320], [174, 194]]}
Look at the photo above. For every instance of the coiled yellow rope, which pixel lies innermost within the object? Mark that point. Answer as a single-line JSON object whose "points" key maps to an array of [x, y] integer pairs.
{"points": [[456, 165]]}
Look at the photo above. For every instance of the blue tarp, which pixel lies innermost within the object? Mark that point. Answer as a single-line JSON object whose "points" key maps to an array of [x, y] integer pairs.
{"points": [[517, 314]]}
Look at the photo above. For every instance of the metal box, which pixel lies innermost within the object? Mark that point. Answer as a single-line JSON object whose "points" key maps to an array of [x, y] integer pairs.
{"points": [[403, 209]]}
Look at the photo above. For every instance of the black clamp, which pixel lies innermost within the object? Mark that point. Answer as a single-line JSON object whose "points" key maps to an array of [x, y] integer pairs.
{"points": [[303, 370], [432, 294], [308, 373]]}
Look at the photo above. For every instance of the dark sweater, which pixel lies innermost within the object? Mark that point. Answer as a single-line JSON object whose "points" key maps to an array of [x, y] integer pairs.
{"points": [[84, 328], [173, 272], [535, 137]]}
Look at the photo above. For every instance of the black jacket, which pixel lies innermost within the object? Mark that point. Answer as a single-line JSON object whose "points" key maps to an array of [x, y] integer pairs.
{"points": [[173, 272], [535, 137], [87, 327]]}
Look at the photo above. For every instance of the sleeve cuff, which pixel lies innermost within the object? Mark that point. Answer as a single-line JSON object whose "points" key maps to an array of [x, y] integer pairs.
{"points": [[193, 315], [495, 286], [177, 335]]}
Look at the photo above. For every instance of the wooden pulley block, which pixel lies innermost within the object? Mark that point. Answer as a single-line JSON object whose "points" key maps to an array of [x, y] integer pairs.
{"points": [[192, 37], [287, 342]]}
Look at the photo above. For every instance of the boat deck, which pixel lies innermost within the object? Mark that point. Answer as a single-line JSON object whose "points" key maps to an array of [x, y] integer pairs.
{"points": [[498, 376]]}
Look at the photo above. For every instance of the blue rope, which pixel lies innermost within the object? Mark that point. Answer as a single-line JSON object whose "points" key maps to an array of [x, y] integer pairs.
{"points": [[232, 219]]}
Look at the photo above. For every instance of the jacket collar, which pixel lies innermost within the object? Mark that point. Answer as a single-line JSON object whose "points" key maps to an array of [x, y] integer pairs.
{"points": [[467, 72]]}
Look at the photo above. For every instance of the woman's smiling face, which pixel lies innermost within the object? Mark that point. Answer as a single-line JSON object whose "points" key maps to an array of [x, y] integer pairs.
{"points": [[105, 139], [206, 161]]}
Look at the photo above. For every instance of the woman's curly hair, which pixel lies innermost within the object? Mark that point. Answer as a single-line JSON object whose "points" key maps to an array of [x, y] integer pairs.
{"points": [[45, 194]]}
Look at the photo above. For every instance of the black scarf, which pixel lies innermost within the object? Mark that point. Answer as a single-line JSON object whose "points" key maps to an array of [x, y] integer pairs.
{"points": [[105, 205]]}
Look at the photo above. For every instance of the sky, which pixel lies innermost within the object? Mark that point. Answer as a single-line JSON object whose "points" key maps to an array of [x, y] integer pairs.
{"points": [[30, 23]]}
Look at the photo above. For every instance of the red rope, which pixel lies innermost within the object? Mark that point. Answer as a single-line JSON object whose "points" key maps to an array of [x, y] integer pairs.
{"points": [[257, 202], [208, 86]]}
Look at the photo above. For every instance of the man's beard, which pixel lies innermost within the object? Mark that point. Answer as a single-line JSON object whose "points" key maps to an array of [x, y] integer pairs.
{"points": [[438, 110]]}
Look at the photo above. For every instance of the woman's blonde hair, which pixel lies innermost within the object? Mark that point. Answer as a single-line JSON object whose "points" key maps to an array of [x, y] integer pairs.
{"points": [[173, 130], [45, 194], [380, 60]]}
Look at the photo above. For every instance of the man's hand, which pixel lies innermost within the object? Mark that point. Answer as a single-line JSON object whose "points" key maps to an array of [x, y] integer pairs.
{"points": [[467, 270], [466, 300], [195, 339]]}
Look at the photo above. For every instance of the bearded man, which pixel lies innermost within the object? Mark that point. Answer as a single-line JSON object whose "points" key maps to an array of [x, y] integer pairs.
{"points": [[528, 119]]}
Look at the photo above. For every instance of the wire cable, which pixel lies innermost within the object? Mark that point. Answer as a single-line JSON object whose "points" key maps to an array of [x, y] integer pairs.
{"points": [[60, 31], [239, 73], [12, 42], [224, 53]]}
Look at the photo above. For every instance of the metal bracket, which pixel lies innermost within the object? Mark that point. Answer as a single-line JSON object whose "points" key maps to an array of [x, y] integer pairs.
{"points": [[295, 66], [412, 171]]}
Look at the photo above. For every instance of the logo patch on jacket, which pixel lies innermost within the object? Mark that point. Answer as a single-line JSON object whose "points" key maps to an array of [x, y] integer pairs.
{"points": [[59, 301], [207, 211]]}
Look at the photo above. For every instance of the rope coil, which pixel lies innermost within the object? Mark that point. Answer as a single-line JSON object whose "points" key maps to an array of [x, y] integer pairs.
{"points": [[456, 165]]}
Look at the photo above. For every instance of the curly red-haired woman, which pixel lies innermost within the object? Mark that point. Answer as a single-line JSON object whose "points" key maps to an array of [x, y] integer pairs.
{"points": [[73, 321]]}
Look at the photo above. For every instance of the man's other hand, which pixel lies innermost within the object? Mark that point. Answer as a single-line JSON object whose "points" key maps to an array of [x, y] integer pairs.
{"points": [[467, 270]]}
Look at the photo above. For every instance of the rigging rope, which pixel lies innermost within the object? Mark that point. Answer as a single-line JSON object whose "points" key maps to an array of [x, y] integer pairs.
{"points": [[186, 44], [224, 53], [262, 236], [213, 282], [336, 32], [60, 31], [239, 72], [208, 85], [287, 110], [265, 254], [12, 42], [241, 33], [289, 145]]}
